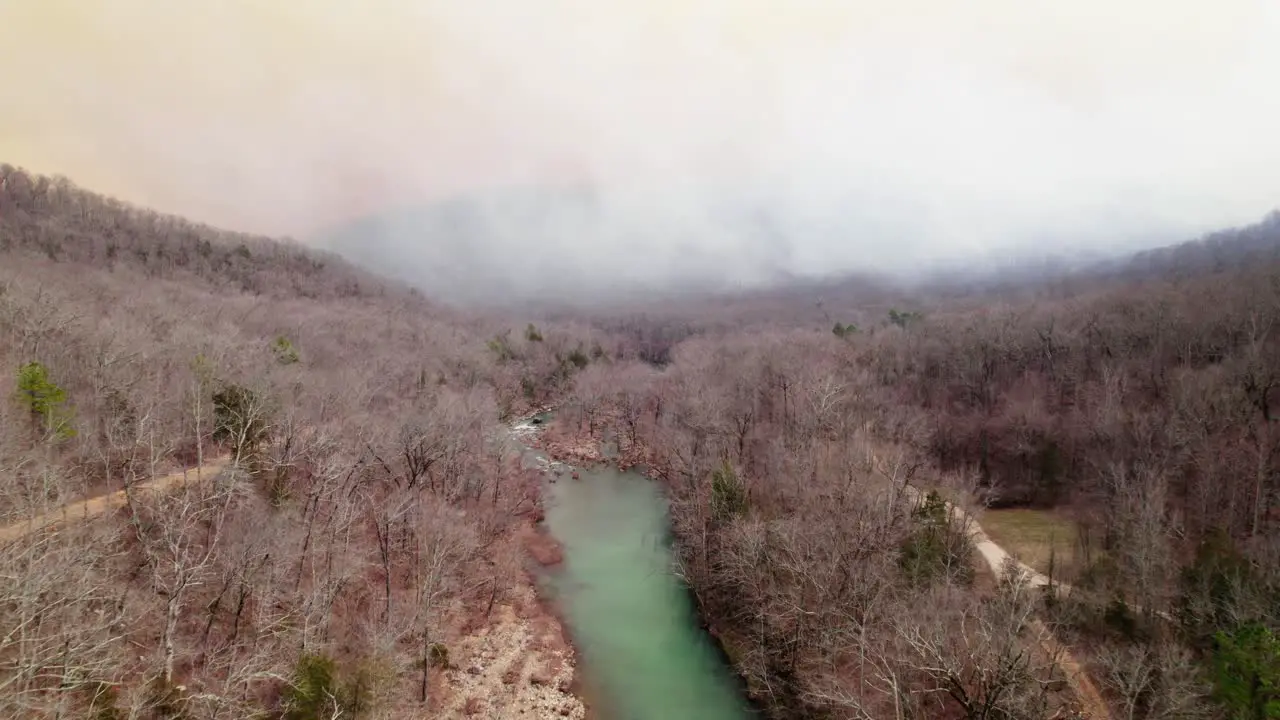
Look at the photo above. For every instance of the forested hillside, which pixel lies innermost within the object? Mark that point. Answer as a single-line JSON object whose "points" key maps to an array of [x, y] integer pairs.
{"points": [[369, 513], [1133, 414]]}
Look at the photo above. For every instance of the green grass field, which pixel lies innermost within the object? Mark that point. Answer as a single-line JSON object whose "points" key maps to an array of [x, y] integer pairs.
{"points": [[1033, 536]]}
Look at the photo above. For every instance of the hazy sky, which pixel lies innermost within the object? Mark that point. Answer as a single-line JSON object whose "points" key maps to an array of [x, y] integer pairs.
{"points": [[950, 126]]}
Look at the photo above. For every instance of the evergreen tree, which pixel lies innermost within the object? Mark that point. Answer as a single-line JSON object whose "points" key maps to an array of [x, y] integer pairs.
{"points": [[44, 400]]}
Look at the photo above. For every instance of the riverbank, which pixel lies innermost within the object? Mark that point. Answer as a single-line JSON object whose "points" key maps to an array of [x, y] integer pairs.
{"points": [[516, 658], [519, 663]]}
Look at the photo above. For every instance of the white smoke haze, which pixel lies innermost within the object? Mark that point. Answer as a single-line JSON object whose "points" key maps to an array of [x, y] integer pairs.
{"points": [[701, 142]]}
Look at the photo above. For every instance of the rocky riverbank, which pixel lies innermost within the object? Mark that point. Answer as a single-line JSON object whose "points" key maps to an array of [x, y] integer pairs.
{"points": [[574, 444], [518, 661], [518, 664]]}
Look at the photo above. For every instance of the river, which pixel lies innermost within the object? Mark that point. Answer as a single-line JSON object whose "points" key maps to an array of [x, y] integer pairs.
{"points": [[642, 654]]}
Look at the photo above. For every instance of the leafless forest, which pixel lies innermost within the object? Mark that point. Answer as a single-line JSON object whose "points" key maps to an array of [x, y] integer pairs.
{"points": [[371, 516], [808, 447], [1136, 400]]}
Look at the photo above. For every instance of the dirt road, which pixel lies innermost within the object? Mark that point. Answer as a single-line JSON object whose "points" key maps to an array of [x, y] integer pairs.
{"points": [[97, 505], [1092, 704]]}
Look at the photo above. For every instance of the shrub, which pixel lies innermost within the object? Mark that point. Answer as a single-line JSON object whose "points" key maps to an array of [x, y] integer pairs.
{"points": [[500, 345], [935, 548], [902, 319], [579, 358], [728, 494], [285, 352], [240, 418], [313, 694], [44, 400], [438, 656], [318, 693]]}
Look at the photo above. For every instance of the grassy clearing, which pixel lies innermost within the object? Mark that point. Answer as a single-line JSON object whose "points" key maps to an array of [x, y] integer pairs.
{"points": [[1033, 536]]}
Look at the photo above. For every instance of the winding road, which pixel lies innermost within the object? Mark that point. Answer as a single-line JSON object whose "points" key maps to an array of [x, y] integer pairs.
{"points": [[87, 508], [996, 557]]}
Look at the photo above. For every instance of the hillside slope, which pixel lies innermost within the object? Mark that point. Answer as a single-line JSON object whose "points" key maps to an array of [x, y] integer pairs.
{"points": [[369, 511], [1131, 418]]}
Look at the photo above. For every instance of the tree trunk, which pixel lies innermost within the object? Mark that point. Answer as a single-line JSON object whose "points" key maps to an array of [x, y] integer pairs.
{"points": [[1260, 476], [170, 629], [424, 687]]}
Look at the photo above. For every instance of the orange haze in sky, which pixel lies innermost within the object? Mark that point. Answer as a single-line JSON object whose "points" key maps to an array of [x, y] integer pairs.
{"points": [[284, 116]]}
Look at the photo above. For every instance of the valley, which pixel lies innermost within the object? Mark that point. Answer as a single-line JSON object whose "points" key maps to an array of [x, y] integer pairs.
{"points": [[797, 502]]}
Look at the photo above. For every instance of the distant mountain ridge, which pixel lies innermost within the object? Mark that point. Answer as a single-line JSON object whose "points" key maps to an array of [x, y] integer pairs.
{"points": [[1233, 248], [521, 245], [580, 246]]}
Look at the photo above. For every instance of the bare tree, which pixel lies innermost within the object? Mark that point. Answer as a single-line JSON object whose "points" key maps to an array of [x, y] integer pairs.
{"points": [[180, 534], [1160, 681], [443, 547], [982, 660], [63, 619]]}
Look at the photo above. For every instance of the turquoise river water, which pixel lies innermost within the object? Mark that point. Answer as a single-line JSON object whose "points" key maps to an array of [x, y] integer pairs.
{"points": [[642, 654]]}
